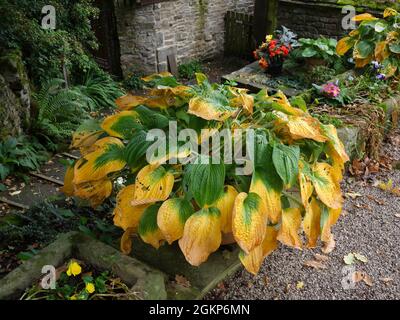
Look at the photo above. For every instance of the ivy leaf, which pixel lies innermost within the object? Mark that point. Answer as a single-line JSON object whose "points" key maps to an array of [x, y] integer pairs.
{"points": [[286, 162]]}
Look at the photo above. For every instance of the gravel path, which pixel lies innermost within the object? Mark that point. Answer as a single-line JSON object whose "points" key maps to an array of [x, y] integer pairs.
{"points": [[369, 227]]}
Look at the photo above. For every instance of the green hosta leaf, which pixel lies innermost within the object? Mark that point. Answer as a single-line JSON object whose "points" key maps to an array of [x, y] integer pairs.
{"points": [[380, 26], [309, 52], [151, 119], [136, 149], [365, 48], [206, 182], [394, 47], [298, 102], [4, 171], [286, 162]]}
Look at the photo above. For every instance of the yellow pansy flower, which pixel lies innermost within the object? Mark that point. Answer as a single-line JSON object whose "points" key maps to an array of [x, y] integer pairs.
{"points": [[74, 269], [269, 37], [90, 287]]}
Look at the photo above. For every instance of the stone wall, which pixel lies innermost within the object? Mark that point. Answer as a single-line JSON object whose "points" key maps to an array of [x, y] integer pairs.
{"points": [[192, 29]]}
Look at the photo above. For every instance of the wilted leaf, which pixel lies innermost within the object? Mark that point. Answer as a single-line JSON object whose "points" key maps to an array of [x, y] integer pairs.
{"points": [[349, 259], [361, 257]]}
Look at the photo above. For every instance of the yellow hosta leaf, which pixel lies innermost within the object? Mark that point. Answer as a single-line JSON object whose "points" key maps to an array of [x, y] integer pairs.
{"points": [[94, 191], [306, 187], [312, 223], [68, 188], [337, 163], [84, 141], [289, 232], [172, 217], [335, 142], [89, 169], [283, 105], [153, 184], [126, 215], [361, 63], [364, 17], [179, 91], [225, 205], [333, 216], [151, 77], [249, 221], [121, 125], [129, 102], [305, 128], [390, 70], [389, 12], [344, 45], [208, 110], [201, 236], [126, 241], [392, 36], [271, 198], [254, 259], [243, 100], [382, 51], [148, 228], [327, 188]]}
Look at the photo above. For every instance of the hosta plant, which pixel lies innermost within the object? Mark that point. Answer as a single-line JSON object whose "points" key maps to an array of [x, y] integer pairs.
{"points": [[292, 185], [375, 40]]}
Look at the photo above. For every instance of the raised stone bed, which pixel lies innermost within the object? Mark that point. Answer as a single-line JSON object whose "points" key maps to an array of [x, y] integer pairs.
{"points": [[148, 282]]}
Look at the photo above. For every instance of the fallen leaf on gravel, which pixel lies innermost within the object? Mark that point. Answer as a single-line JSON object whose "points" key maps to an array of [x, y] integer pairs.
{"points": [[358, 276], [266, 280], [353, 195], [397, 215], [181, 280], [15, 193], [361, 257], [300, 285], [368, 280], [314, 264], [320, 257], [386, 280], [349, 259], [328, 246], [380, 202]]}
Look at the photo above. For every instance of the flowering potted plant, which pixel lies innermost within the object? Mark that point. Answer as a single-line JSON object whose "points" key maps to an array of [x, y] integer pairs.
{"points": [[273, 52]]}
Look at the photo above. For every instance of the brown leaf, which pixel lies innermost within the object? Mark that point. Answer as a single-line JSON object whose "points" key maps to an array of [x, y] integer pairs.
{"points": [[314, 264], [329, 246], [181, 280], [386, 280], [358, 276], [321, 257], [368, 280]]}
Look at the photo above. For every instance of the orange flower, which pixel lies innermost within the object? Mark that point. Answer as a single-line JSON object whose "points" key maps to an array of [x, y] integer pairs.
{"points": [[263, 63], [255, 54]]}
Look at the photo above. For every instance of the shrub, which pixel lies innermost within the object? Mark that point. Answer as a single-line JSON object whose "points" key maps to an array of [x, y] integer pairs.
{"points": [[19, 155], [297, 164], [189, 70], [375, 39]]}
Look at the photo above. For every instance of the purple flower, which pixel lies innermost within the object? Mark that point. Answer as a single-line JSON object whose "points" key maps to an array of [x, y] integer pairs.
{"points": [[376, 65], [381, 76], [331, 90]]}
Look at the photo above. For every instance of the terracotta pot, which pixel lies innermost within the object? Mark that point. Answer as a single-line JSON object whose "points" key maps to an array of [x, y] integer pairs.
{"points": [[227, 238]]}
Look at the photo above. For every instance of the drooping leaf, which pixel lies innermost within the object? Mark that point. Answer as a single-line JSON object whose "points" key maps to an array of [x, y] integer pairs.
{"points": [[126, 241], [94, 191], [128, 102], [289, 232], [68, 188], [126, 215], [364, 17], [210, 108], [304, 128], [344, 45], [201, 236], [206, 182], [281, 103], [153, 184], [312, 222], [328, 190], [148, 228], [249, 221], [172, 217], [225, 205], [286, 162]]}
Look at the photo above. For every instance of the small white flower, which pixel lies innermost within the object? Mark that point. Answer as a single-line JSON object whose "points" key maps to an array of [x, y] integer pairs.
{"points": [[120, 181]]}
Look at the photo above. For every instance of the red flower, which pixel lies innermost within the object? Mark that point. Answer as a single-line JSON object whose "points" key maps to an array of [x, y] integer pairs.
{"points": [[263, 63]]}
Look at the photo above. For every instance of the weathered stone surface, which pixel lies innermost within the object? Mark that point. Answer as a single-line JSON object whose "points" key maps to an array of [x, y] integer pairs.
{"points": [[10, 123], [148, 282], [352, 140], [13, 71], [195, 28], [170, 260]]}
